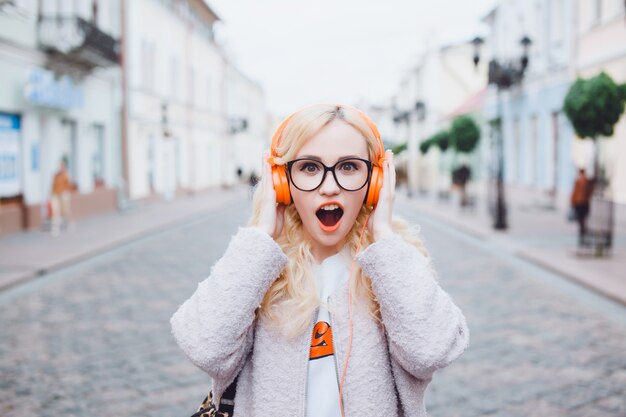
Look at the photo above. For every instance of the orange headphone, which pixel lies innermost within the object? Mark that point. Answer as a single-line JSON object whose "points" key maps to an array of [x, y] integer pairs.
{"points": [[279, 172]]}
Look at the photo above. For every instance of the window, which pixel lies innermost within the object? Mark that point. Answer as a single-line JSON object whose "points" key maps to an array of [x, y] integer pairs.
{"points": [[94, 12], [555, 151], [538, 39], [24, 8], [48, 8], [151, 159], [65, 8], [191, 85], [147, 64], [533, 151], [174, 78], [597, 10], [97, 157], [557, 21], [83, 9], [144, 63], [10, 155], [68, 147], [209, 91], [517, 152]]}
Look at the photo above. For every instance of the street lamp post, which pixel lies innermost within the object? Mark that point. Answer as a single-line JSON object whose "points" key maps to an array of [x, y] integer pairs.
{"points": [[503, 76], [405, 116]]}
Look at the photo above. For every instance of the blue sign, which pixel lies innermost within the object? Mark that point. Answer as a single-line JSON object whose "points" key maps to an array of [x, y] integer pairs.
{"points": [[9, 121], [43, 89], [9, 155]]}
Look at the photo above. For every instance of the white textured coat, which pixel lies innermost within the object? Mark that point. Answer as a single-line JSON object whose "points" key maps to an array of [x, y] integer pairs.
{"points": [[388, 370]]}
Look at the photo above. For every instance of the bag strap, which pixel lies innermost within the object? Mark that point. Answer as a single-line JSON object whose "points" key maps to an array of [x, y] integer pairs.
{"points": [[227, 403]]}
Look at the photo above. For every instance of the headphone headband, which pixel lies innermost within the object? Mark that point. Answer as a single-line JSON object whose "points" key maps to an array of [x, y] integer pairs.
{"points": [[281, 127], [277, 136]]}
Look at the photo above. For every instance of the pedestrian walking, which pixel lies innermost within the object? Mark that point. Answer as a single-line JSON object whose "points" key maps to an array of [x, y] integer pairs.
{"points": [[252, 182], [580, 198], [325, 304], [60, 205]]}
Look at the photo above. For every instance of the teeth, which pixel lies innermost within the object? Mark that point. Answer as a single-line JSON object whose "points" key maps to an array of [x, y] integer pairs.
{"points": [[330, 207]]}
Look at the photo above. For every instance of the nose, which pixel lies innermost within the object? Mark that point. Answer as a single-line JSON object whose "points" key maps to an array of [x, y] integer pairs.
{"points": [[329, 186]]}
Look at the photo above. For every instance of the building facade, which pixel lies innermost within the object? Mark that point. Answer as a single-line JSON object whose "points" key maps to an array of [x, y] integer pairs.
{"points": [[136, 96], [536, 134], [173, 101], [248, 127], [600, 45], [60, 100], [442, 80], [192, 119]]}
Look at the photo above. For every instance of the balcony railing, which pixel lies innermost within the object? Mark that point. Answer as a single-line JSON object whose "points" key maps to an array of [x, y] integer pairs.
{"points": [[78, 41]]}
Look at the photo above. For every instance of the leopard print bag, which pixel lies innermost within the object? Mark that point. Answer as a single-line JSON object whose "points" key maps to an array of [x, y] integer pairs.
{"points": [[227, 404]]}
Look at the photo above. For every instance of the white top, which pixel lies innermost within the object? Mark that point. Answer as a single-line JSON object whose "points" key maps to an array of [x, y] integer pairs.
{"points": [[322, 397]]}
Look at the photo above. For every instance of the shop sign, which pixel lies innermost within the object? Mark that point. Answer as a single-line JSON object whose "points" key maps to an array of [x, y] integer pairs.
{"points": [[43, 89], [9, 155]]}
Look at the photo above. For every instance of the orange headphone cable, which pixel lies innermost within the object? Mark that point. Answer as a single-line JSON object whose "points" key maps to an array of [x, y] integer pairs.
{"points": [[345, 367]]}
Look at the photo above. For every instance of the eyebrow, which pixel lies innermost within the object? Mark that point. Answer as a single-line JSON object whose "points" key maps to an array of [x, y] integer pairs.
{"points": [[317, 158]]}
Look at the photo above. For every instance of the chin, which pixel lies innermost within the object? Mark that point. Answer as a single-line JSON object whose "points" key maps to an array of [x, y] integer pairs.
{"points": [[332, 240], [329, 239]]}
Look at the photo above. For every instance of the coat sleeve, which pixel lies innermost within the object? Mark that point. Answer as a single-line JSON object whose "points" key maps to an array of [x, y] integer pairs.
{"points": [[425, 329], [215, 327]]}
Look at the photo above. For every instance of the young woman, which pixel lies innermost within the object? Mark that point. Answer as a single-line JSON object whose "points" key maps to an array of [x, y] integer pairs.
{"points": [[311, 321]]}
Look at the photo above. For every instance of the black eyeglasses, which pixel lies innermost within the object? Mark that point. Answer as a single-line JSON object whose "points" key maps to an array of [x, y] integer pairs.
{"points": [[350, 174]]}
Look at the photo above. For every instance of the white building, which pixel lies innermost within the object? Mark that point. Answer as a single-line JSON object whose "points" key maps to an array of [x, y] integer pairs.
{"points": [[59, 99], [537, 136], [192, 118], [443, 79], [249, 125], [136, 95]]}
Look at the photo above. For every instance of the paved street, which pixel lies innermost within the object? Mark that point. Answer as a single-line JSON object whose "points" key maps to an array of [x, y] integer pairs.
{"points": [[93, 339]]}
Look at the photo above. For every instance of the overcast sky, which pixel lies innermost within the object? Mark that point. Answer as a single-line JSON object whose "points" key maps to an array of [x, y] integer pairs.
{"points": [[303, 52]]}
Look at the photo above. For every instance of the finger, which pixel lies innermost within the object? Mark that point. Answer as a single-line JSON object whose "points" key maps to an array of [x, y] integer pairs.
{"points": [[392, 172], [280, 219], [263, 166], [267, 170], [271, 192], [388, 172], [280, 212]]}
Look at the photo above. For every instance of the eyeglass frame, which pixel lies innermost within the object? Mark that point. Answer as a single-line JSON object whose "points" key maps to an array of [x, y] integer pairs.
{"points": [[289, 164]]}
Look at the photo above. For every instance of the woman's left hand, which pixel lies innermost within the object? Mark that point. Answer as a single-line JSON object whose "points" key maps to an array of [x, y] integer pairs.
{"points": [[379, 223]]}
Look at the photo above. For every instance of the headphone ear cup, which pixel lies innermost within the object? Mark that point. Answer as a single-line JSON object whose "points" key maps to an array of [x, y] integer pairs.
{"points": [[281, 184], [376, 183]]}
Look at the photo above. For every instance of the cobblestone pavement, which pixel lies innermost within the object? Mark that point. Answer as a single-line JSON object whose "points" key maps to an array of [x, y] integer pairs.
{"points": [[94, 339]]}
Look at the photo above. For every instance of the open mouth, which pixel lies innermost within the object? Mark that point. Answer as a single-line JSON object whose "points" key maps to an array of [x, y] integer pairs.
{"points": [[329, 216]]}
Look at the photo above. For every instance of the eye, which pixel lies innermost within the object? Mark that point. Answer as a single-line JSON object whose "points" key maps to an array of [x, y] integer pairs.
{"points": [[348, 166], [309, 167]]}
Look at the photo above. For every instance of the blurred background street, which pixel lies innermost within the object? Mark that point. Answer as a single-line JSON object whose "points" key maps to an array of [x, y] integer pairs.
{"points": [[131, 132], [92, 338]]}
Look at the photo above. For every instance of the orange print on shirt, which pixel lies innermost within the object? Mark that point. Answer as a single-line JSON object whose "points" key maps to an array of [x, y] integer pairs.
{"points": [[322, 341]]}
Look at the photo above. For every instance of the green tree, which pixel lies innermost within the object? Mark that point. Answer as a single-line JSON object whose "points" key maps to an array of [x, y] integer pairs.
{"points": [[397, 149], [465, 133], [424, 146], [442, 139], [594, 106]]}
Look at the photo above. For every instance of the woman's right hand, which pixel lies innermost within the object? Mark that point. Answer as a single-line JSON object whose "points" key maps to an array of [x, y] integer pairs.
{"points": [[272, 215]]}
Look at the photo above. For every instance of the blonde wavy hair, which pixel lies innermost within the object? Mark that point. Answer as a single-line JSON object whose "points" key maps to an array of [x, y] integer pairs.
{"points": [[293, 298]]}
